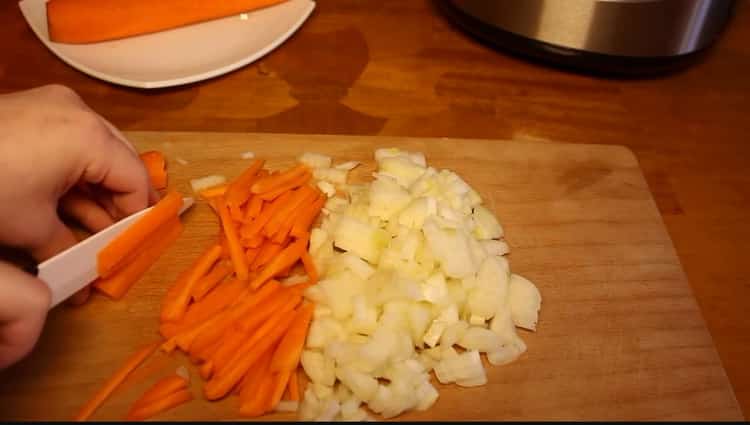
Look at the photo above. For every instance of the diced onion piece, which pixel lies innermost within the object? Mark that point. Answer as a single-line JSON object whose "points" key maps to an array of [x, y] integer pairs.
{"points": [[318, 368], [525, 302], [326, 188], [361, 238], [315, 160], [322, 391], [349, 165], [332, 175], [203, 183], [465, 369], [487, 226], [329, 411], [362, 385], [480, 339], [495, 247], [427, 395]]}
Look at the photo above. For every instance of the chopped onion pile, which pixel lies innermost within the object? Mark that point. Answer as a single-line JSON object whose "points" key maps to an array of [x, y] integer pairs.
{"points": [[413, 280]]}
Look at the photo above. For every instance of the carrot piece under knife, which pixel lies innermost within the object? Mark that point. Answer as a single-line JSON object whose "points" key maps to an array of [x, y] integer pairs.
{"points": [[123, 248], [117, 285]]}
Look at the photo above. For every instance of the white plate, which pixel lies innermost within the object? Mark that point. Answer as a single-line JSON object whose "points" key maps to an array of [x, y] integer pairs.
{"points": [[178, 56]]}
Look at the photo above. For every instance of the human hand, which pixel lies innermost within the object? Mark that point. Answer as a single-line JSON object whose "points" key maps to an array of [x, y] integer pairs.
{"points": [[57, 157]]}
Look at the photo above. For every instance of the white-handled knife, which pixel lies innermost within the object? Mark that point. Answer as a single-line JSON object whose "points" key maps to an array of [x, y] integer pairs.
{"points": [[71, 270]]}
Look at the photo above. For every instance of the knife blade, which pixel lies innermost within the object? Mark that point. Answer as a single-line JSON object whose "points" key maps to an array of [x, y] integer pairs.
{"points": [[71, 270]]}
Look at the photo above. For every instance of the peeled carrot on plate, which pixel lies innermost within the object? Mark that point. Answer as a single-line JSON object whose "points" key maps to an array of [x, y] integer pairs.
{"points": [[86, 21]]}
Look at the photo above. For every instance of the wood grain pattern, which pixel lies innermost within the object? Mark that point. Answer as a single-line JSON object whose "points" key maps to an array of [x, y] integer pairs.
{"points": [[620, 334], [397, 68]]}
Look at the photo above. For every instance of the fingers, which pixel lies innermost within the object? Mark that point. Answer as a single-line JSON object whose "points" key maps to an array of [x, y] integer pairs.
{"points": [[86, 211], [24, 302], [59, 238], [116, 132], [113, 166]]}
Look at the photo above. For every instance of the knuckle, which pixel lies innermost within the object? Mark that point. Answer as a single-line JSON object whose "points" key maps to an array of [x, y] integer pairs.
{"points": [[60, 91]]}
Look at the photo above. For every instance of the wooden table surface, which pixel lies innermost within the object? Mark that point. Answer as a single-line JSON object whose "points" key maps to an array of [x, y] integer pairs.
{"points": [[390, 67]]}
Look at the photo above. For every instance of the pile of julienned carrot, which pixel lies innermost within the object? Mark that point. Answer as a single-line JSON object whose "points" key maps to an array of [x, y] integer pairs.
{"points": [[228, 311]]}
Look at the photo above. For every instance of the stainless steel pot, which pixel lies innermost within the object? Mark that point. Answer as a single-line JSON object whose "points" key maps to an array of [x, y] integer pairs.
{"points": [[617, 36]]}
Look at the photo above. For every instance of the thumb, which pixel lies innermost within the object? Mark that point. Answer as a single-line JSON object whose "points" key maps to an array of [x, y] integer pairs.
{"points": [[24, 302]]}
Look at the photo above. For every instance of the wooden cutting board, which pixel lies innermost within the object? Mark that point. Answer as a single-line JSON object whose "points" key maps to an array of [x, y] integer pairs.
{"points": [[620, 335]]}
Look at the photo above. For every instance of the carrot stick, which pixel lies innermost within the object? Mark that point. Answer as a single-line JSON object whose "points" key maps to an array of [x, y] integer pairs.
{"points": [[162, 388], [156, 165], [255, 298], [206, 370], [213, 192], [221, 384], [287, 355], [239, 190], [114, 381], [281, 300], [253, 207], [293, 386], [251, 254], [279, 380], [243, 303], [284, 259], [231, 341], [250, 382], [161, 405], [293, 184], [263, 326], [235, 249], [255, 403], [83, 21], [294, 202], [184, 339], [215, 301], [125, 246], [272, 182], [268, 211], [169, 329], [267, 252], [286, 226], [173, 309], [312, 271], [224, 246], [202, 352], [117, 285], [208, 282], [305, 220], [255, 242]]}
